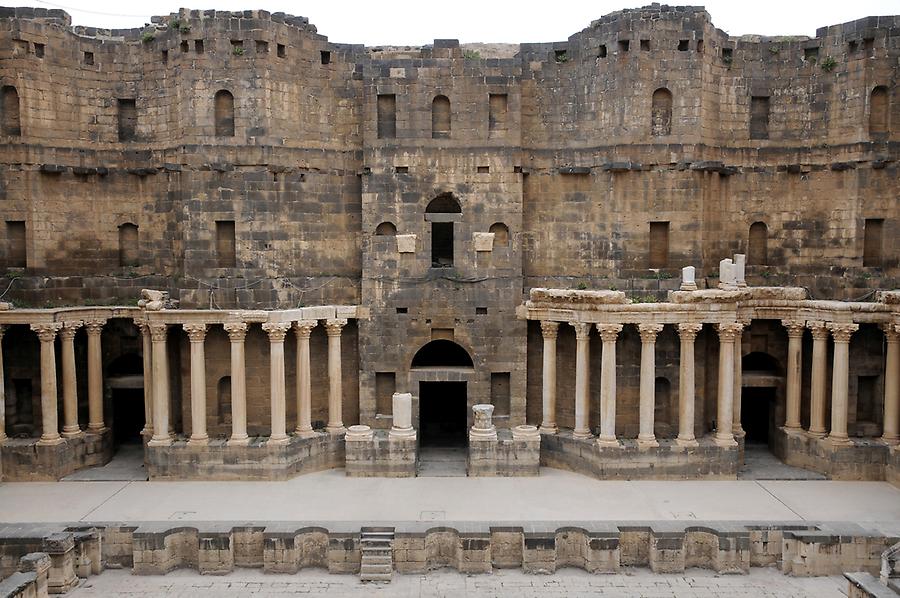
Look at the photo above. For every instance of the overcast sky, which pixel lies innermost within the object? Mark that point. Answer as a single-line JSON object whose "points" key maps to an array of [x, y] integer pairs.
{"points": [[417, 22]]}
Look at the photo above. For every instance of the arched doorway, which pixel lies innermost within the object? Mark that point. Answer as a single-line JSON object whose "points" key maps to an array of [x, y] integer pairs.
{"points": [[441, 370]]}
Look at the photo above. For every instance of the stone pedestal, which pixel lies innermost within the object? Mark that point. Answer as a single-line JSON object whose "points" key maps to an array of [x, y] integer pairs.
{"points": [[375, 453], [61, 548], [402, 417], [483, 428], [509, 453]]}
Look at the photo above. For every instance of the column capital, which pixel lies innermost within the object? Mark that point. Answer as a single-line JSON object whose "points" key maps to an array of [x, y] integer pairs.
{"points": [[549, 329], [276, 330], [818, 329], [609, 332], [891, 332], [237, 331], [46, 332], [196, 331], [304, 328], [69, 329], [794, 328], [94, 325], [842, 332], [728, 331], [582, 330], [648, 332], [688, 331], [333, 327], [158, 331]]}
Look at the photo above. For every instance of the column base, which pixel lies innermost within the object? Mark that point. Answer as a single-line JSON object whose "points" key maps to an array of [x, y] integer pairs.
{"points": [[72, 433], [582, 434], [738, 432], [607, 442], [147, 431], [816, 434], [890, 441], [725, 442], [238, 441], [278, 439], [687, 442], [792, 429], [96, 429], [336, 429], [549, 429], [402, 433], [198, 441], [165, 441], [50, 441], [647, 442], [310, 433], [841, 440]]}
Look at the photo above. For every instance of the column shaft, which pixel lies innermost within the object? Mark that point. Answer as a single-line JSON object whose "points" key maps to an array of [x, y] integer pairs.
{"points": [[237, 333], [817, 383], [335, 391], [2, 391], [549, 331], [147, 348], [736, 427], [724, 416], [303, 330], [688, 333], [840, 380], [70, 392], [646, 435], [50, 422], [891, 431], [277, 332], [94, 328], [608, 334], [582, 379], [794, 364], [161, 395], [197, 337]]}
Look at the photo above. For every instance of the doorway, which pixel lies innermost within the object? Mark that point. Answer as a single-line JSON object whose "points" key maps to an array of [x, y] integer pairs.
{"points": [[442, 429], [757, 404]]}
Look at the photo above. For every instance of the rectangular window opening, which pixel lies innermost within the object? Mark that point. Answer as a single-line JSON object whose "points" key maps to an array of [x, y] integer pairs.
{"points": [[810, 54], [164, 56], [262, 47], [385, 387], [16, 255], [873, 242], [441, 244], [727, 55], [623, 45], [601, 52], [325, 56], [480, 311], [89, 58], [483, 169], [387, 115], [198, 46], [127, 119], [683, 45], [759, 117], [185, 46], [402, 310], [39, 50], [659, 244], [852, 46], [645, 45], [401, 169], [500, 392], [225, 244], [699, 46], [281, 50], [560, 55]]}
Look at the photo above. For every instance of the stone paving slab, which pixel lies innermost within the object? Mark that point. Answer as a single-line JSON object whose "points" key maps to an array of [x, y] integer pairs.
{"points": [[695, 583]]}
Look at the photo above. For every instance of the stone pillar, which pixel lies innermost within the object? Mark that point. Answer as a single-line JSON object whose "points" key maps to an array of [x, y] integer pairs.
{"points": [[817, 382], [401, 410], [148, 379], [582, 379], [335, 392], [608, 334], [2, 391], [483, 427], [96, 424], [303, 330], [688, 333], [197, 335], [794, 364], [646, 436], [237, 333], [736, 428], [840, 380], [724, 418], [70, 387], [50, 431], [891, 431], [277, 332], [161, 395], [549, 331]]}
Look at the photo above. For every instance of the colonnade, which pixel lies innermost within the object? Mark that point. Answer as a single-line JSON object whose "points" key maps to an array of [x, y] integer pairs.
{"points": [[47, 333], [729, 380], [157, 384]]}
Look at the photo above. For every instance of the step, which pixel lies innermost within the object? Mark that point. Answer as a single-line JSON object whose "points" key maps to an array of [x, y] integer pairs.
{"points": [[380, 569], [377, 560], [384, 577]]}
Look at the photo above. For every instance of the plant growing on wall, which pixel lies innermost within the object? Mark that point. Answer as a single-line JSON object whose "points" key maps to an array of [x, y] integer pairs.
{"points": [[148, 36], [237, 51], [828, 63]]}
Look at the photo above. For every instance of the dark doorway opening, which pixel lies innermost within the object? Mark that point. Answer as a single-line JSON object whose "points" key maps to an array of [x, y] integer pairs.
{"points": [[442, 414], [757, 404], [128, 415], [441, 244]]}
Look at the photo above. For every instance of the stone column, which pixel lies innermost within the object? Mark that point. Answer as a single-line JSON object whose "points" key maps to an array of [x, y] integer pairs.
{"points": [[646, 436], [608, 334], [724, 418], [335, 392], [147, 347], [197, 335], [2, 391], [277, 332], [549, 331], [794, 364], [736, 428], [582, 379], [688, 333], [50, 430], [401, 411], [237, 333], [483, 427], [840, 380], [70, 387], [817, 383], [303, 330], [161, 395], [96, 424], [891, 430]]}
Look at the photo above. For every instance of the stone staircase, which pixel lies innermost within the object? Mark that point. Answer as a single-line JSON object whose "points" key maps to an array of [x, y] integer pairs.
{"points": [[377, 553]]}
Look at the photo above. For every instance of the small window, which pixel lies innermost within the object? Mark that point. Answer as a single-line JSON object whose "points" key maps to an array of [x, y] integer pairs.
{"points": [[128, 245], [661, 114], [16, 254], [699, 46], [385, 387], [401, 169], [185, 46], [879, 111], [441, 244], [810, 54], [483, 169], [727, 55], [262, 47], [659, 244], [402, 310], [623, 45], [759, 117], [89, 58], [440, 118], [164, 56], [281, 51], [601, 52], [39, 50], [237, 46], [224, 113], [497, 103], [645, 45], [560, 56], [757, 250], [500, 392], [387, 116], [386, 229], [325, 55], [198, 46], [9, 118], [683, 45], [225, 244], [873, 242], [481, 311], [501, 234], [852, 46], [127, 119]]}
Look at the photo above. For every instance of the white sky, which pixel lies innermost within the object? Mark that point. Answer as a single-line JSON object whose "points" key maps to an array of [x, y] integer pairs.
{"points": [[417, 22]]}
